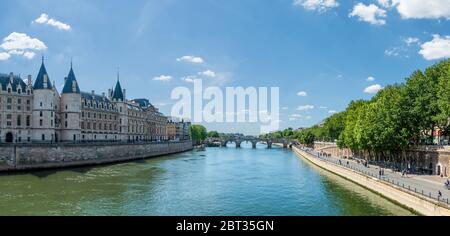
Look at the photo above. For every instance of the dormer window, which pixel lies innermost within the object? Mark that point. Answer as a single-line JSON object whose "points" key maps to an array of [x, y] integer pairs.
{"points": [[9, 90], [19, 91]]}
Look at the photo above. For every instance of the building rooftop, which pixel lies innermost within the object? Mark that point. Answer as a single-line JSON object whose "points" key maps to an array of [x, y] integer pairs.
{"points": [[16, 83]]}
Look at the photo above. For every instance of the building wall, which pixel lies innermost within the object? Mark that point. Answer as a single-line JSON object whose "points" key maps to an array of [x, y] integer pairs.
{"points": [[76, 117], [70, 107], [43, 116], [99, 121], [39, 156]]}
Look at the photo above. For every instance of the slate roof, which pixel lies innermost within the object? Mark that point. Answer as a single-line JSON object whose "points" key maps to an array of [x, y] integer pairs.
{"points": [[39, 82], [68, 83], [118, 94], [144, 103], [17, 83]]}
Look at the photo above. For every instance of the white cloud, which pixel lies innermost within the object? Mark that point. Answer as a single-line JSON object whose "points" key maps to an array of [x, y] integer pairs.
{"points": [[373, 89], [332, 111], [29, 55], [208, 73], [393, 52], [296, 115], [164, 78], [19, 41], [292, 119], [302, 94], [316, 5], [4, 56], [405, 49], [285, 108], [323, 107], [20, 44], [371, 14], [423, 9], [189, 78], [44, 19], [370, 79], [411, 40], [192, 59], [385, 3], [438, 48], [305, 108]]}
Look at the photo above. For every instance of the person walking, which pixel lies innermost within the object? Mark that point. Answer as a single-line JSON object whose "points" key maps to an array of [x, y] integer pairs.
{"points": [[439, 194]]}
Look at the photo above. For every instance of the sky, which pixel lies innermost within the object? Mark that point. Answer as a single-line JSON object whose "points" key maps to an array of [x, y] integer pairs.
{"points": [[322, 54]]}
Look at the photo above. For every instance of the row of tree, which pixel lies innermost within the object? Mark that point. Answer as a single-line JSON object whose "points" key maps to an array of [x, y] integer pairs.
{"points": [[397, 118]]}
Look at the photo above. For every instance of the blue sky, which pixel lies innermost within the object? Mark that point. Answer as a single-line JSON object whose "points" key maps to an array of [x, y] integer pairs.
{"points": [[324, 49]]}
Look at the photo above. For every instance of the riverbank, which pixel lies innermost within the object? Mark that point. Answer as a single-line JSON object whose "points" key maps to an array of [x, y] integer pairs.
{"points": [[395, 193], [49, 156]]}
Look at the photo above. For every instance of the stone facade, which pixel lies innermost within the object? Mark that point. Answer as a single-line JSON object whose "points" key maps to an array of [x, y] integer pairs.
{"points": [[41, 156], [40, 114]]}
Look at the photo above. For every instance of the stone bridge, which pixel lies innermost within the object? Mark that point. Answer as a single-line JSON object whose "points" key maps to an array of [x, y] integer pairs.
{"points": [[254, 140]]}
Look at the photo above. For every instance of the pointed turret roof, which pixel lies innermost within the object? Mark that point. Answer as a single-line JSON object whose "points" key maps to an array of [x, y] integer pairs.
{"points": [[39, 82], [118, 94], [71, 84]]}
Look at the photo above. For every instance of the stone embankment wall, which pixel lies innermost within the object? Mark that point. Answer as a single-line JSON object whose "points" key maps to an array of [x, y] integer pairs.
{"points": [[43, 156], [415, 202]]}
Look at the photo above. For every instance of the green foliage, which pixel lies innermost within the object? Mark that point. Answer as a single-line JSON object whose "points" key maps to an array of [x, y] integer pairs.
{"points": [[396, 118], [198, 133], [213, 134]]}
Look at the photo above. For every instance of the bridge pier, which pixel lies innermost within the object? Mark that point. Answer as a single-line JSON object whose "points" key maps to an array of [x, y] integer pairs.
{"points": [[254, 145], [238, 144], [269, 145]]}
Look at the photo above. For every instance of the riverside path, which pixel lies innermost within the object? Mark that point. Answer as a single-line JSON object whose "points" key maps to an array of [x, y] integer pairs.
{"points": [[414, 183]]}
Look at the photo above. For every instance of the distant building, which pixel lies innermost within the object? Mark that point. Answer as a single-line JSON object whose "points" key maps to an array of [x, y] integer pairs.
{"points": [[171, 130], [39, 113]]}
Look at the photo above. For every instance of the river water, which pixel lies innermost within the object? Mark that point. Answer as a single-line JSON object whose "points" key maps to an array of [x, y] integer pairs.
{"points": [[217, 181]]}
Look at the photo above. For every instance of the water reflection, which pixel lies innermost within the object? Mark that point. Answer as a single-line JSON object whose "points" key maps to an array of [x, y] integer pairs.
{"points": [[218, 181]]}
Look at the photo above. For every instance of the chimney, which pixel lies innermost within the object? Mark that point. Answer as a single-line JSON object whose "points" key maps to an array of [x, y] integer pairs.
{"points": [[30, 81], [103, 94], [93, 93], [109, 93], [124, 94]]}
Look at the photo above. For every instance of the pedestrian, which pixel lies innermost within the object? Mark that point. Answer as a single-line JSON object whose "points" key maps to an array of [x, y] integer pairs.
{"points": [[439, 194]]}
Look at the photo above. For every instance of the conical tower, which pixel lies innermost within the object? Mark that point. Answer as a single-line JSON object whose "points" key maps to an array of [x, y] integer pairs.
{"points": [[43, 108], [70, 109]]}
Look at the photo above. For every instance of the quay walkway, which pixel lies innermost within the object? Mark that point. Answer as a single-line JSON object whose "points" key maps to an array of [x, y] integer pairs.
{"points": [[418, 185]]}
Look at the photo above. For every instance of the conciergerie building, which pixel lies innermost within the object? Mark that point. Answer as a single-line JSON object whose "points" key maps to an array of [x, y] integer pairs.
{"points": [[39, 113]]}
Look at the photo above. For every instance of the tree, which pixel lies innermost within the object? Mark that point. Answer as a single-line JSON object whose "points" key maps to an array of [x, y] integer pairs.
{"points": [[287, 133], [421, 93], [333, 126], [350, 136], [442, 71], [213, 134], [306, 137], [198, 133]]}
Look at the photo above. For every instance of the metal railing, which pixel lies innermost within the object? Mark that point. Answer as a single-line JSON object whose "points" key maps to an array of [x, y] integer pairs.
{"points": [[391, 181]]}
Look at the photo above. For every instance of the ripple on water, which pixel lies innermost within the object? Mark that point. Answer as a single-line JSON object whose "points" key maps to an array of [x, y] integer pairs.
{"points": [[218, 181]]}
